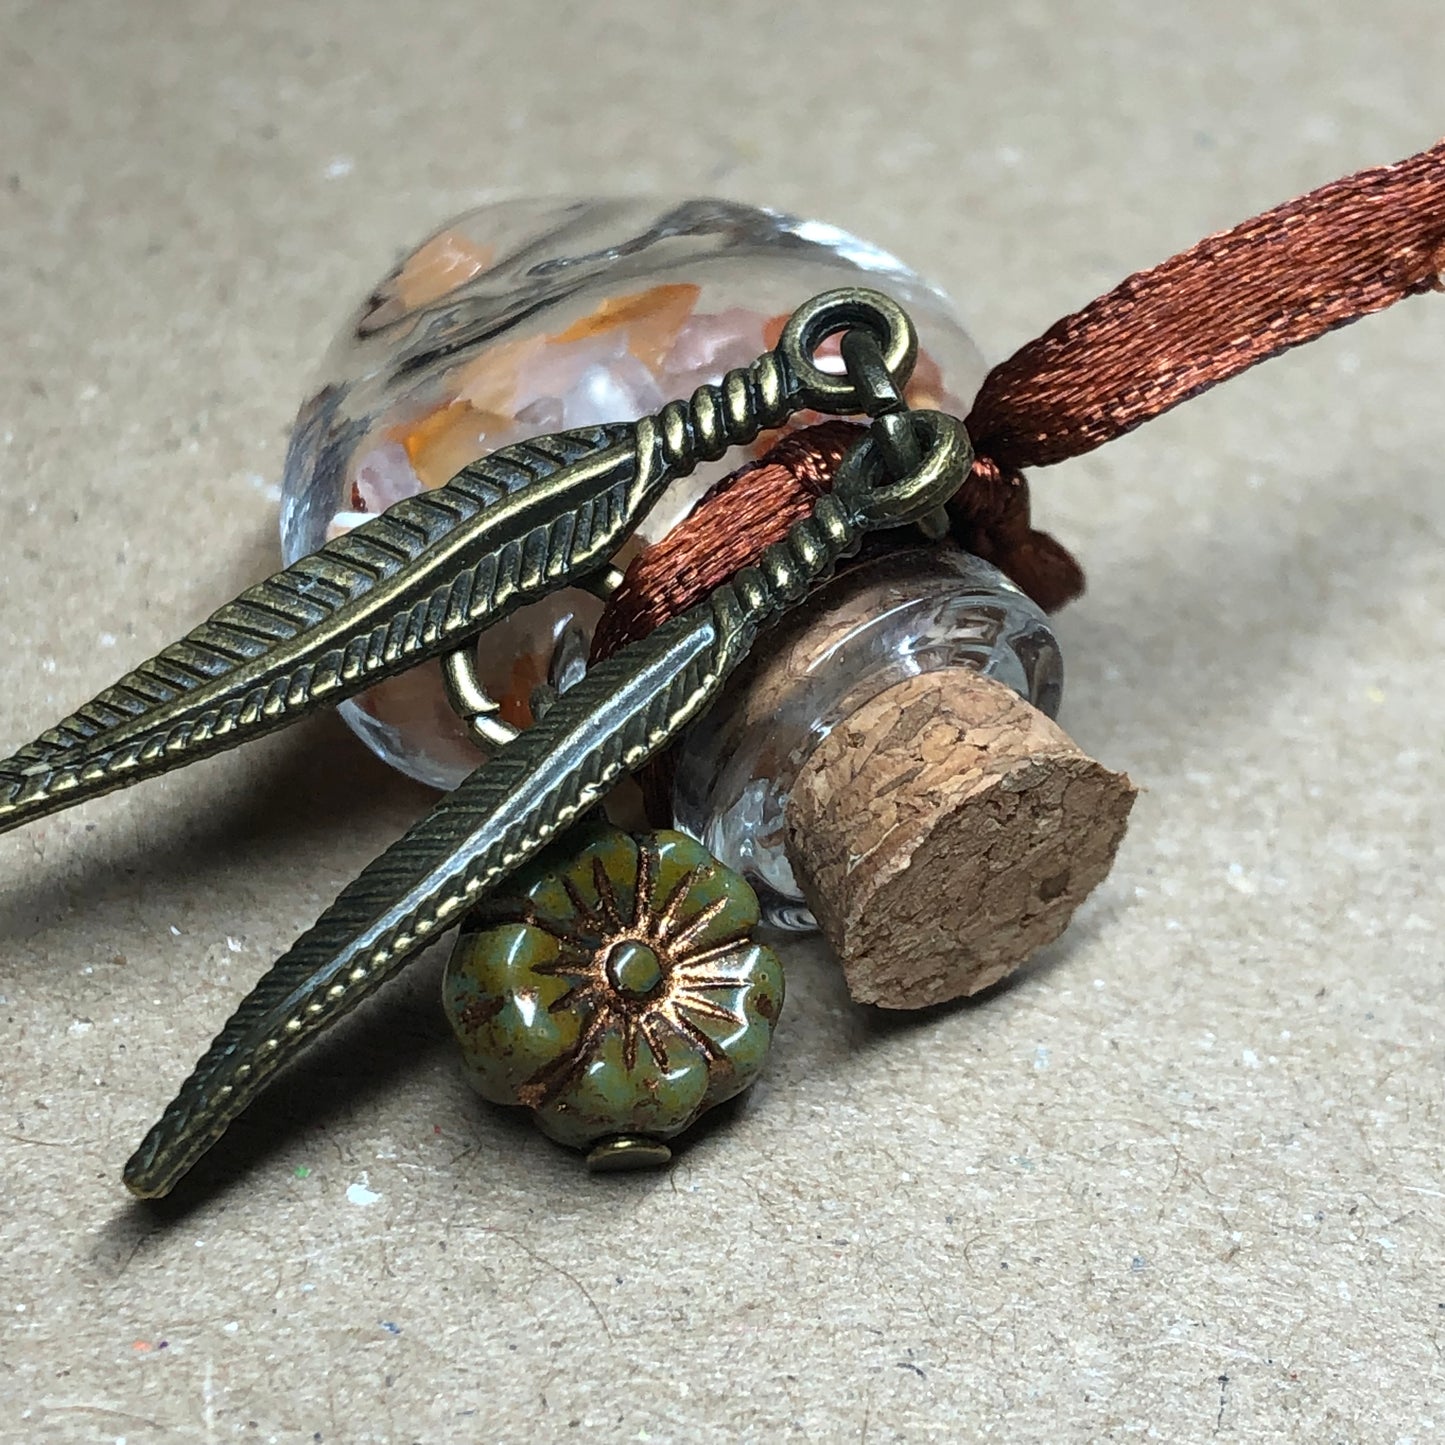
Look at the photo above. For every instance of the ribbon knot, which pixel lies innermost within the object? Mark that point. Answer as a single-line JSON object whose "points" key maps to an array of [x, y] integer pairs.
{"points": [[1234, 299]]}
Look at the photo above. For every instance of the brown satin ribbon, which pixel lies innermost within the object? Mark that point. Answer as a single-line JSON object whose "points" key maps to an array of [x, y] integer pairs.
{"points": [[1237, 298]]}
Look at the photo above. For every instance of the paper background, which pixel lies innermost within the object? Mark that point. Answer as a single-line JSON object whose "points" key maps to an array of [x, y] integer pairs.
{"points": [[1182, 1181]]}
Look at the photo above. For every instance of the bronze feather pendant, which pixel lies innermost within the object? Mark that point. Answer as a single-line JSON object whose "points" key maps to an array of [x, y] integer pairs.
{"points": [[401, 588], [609, 724], [418, 582]]}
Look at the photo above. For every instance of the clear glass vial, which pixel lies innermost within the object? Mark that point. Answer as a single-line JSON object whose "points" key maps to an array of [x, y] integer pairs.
{"points": [[887, 617], [525, 317]]}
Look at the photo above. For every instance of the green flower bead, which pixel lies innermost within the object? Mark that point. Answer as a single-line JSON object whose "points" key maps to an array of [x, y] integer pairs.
{"points": [[504, 1010], [616, 990]]}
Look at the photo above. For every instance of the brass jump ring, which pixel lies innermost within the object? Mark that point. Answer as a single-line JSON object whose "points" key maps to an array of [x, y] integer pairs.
{"points": [[846, 309]]}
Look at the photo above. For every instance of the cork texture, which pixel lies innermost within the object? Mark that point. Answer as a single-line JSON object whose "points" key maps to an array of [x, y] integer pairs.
{"points": [[1179, 1180], [944, 833]]}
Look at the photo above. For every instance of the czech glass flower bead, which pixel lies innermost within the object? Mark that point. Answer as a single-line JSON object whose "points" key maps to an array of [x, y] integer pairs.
{"points": [[615, 991]]}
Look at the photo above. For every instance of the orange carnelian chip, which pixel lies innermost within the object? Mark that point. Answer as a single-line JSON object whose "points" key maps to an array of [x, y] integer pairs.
{"points": [[515, 704], [489, 381], [440, 265], [653, 319], [444, 440]]}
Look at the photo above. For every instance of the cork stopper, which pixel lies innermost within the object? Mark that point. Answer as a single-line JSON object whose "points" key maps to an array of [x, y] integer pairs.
{"points": [[944, 832]]}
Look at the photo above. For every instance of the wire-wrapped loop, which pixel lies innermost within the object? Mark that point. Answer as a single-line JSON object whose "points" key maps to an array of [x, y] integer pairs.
{"points": [[847, 309], [865, 482]]}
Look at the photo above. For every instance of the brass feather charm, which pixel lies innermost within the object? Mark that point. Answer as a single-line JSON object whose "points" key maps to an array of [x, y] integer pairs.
{"points": [[422, 579]]}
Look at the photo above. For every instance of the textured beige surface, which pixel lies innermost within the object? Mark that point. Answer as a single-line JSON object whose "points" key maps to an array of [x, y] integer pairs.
{"points": [[1181, 1181]]}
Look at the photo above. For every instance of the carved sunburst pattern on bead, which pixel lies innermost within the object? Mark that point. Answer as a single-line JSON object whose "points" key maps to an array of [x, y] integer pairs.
{"points": [[618, 990], [649, 969]]}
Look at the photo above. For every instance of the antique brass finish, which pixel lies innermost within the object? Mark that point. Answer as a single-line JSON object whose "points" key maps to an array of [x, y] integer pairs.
{"points": [[470, 701], [421, 580], [627, 1153]]}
